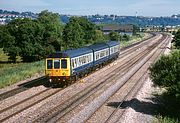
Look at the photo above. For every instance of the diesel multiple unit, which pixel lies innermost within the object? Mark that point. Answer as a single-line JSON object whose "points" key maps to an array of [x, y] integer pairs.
{"points": [[71, 64]]}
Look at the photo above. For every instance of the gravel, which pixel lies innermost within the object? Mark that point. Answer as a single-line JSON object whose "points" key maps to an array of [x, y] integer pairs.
{"points": [[16, 85], [142, 109]]}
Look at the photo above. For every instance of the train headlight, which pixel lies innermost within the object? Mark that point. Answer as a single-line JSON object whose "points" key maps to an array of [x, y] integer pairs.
{"points": [[50, 80]]}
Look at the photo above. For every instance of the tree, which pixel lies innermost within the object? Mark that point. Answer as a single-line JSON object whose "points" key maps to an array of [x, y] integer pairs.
{"points": [[126, 37], [135, 29], [52, 33], [73, 34], [98, 37], [8, 43], [2, 33], [165, 73], [32, 39], [79, 32], [88, 29], [10, 47], [25, 34], [113, 36], [176, 39]]}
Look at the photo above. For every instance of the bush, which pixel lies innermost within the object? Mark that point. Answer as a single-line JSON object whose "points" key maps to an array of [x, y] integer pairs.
{"points": [[176, 39], [166, 73]]}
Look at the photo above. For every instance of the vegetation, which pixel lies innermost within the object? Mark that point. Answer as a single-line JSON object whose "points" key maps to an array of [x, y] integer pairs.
{"points": [[35, 39], [165, 120], [176, 39], [114, 36], [126, 37], [79, 32], [132, 39], [165, 73], [31, 39], [11, 73], [3, 57]]}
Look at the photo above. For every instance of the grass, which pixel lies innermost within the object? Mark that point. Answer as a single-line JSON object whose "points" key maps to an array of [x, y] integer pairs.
{"points": [[12, 73], [3, 56], [166, 119], [134, 39]]}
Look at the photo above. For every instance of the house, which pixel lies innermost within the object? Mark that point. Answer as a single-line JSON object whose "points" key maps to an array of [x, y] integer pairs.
{"points": [[122, 29]]}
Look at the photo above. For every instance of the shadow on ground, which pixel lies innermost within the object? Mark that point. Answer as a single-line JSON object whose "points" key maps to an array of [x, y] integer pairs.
{"points": [[42, 81], [159, 105], [38, 82], [138, 106]]}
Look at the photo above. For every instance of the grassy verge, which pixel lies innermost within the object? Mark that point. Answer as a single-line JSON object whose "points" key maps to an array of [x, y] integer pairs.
{"points": [[12, 73], [134, 39]]}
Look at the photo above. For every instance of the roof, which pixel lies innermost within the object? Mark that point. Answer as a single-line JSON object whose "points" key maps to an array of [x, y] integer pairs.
{"points": [[81, 51], [78, 52], [114, 27], [57, 55], [99, 46], [112, 43], [70, 53]]}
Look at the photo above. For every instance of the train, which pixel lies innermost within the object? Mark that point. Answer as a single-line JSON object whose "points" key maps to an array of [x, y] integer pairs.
{"points": [[69, 65]]}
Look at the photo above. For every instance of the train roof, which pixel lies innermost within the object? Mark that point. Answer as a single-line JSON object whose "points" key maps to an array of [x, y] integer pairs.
{"points": [[112, 43], [99, 46], [81, 51], [70, 53], [78, 52]]}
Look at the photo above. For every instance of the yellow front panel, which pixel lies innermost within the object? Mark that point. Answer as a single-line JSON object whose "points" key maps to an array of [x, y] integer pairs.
{"points": [[58, 72]]}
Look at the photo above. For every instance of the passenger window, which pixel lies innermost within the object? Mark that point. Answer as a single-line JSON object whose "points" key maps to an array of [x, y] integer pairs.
{"points": [[63, 63], [72, 63], [49, 64], [56, 64]]}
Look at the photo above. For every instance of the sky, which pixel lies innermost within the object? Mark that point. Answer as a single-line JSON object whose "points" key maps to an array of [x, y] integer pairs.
{"points": [[91, 7]]}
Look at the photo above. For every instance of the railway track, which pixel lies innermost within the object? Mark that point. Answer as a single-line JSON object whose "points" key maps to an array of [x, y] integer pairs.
{"points": [[100, 116], [117, 113], [62, 109], [27, 103], [139, 42], [23, 87], [81, 114], [78, 97]]}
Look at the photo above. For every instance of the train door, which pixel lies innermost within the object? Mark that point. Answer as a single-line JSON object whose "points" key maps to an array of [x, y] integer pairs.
{"points": [[65, 67]]}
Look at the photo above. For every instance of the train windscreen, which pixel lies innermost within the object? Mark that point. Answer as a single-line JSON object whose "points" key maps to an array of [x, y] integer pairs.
{"points": [[56, 64], [49, 64]]}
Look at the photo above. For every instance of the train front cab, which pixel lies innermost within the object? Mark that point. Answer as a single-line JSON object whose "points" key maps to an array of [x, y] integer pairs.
{"points": [[57, 69]]}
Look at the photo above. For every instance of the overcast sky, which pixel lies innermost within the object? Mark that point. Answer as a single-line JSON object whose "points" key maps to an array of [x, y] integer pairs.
{"points": [[89, 7]]}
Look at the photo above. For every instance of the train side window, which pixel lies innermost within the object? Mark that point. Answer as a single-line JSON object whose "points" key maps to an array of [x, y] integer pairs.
{"points": [[49, 64], [76, 62], [72, 63], [63, 63]]}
